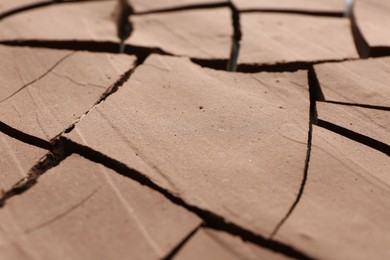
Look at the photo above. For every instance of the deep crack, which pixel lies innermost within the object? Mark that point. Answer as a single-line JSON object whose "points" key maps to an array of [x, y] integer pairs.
{"points": [[236, 39], [312, 119], [182, 243], [210, 219], [363, 139], [56, 154]]}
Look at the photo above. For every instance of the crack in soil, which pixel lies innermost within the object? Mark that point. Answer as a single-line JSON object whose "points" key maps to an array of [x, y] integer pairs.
{"points": [[114, 88], [182, 243], [56, 155], [210, 219], [356, 105], [23, 137], [62, 214], [236, 39], [312, 120], [40, 77], [363, 139], [285, 67]]}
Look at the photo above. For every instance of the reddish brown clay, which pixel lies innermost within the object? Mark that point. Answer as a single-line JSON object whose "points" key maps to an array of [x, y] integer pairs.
{"points": [[47, 90], [82, 210], [328, 6], [16, 159], [373, 123], [344, 210], [212, 244], [372, 20], [233, 144], [284, 38], [85, 21], [202, 34], [363, 82], [141, 6]]}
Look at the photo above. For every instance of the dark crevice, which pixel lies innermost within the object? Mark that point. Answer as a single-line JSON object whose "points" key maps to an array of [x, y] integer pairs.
{"points": [[56, 154], [300, 12], [357, 105], [212, 220], [368, 141], [316, 93], [23, 137], [179, 246], [212, 64], [36, 6], [236, 39], [312, 120], [107, 47], [379, 51], [111, 90], [284, 67], [184, 8], [361, 44], [123, 22]]}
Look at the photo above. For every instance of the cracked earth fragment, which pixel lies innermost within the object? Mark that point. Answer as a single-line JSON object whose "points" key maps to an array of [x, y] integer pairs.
{"points": [[371, 19], [29, 102], [141, 6], [91, 213], [201, 34], [286, 38], [351, 183], [364, 82], [309, 6], [16, 160], [84, 21], [212, 244], [232, 144], [11, 6], [373, 123]]}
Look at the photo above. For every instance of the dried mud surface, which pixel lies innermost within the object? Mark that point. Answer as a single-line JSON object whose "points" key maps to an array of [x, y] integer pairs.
{"points": [[196, 129]]}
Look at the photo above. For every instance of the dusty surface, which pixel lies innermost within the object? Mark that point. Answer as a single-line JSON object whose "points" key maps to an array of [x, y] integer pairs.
{"points": [[84, 21], [372, 20], [209, 136], [351, 183], [202, 34], [280, 38], [194, 129], [329, 6], [7, 6], [52, 222], [356, 82], [16, 160], [211, 244], [141, 6], [374, 123], [49, 89]]}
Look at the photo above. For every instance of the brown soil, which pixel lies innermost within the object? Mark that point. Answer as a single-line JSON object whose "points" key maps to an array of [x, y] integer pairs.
{"points": [[196, 129]]}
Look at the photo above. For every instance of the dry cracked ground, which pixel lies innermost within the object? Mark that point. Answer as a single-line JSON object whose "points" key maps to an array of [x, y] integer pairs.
{"points": [[194, 129]]}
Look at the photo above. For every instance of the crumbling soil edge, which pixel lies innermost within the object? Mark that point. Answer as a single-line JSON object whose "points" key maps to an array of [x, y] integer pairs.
{"points": [[56, 155]]}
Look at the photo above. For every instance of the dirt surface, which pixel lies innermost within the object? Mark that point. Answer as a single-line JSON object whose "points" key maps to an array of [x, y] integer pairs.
{"points": [[197, 129]]}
